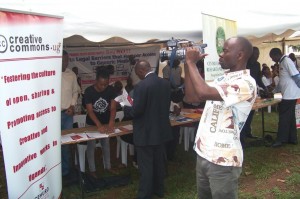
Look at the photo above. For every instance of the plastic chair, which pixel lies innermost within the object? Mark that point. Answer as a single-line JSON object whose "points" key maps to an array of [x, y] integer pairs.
{"points": [[121, 145], [81, 148], [187, 133]]}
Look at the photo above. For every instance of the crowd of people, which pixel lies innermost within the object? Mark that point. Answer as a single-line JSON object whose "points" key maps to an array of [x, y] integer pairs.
{"points": [[224, 126]]}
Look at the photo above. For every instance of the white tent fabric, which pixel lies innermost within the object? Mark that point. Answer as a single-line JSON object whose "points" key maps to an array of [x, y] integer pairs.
{"points": [[141, 20]]}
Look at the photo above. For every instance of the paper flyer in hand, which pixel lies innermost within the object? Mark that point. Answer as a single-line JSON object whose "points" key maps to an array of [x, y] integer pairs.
{"points": [[124, 99]]}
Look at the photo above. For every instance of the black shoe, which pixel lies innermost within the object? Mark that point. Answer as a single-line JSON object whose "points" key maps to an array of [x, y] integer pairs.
{"points": [[159, 195], [277, 144], [69, 179], [251, 136], [293, 142]]}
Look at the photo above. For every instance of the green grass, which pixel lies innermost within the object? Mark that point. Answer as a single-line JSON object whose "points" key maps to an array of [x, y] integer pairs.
{"points": [[264, 166]]}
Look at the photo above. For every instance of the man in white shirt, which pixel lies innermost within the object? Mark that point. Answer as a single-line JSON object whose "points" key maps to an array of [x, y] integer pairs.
{"points": [[69, 95], [229, 102], [289, 76], [132, 61]]}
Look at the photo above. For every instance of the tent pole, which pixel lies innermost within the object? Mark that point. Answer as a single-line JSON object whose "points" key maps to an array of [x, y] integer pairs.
{"points": [[283, 45]]}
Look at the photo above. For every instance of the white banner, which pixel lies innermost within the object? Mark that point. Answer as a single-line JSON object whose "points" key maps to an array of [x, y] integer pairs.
{"points": [[215, 32], [88, 59], [30, 57]]}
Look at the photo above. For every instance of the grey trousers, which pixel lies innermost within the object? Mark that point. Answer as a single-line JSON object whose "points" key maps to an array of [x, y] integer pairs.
{"points": [[215, 181], [90, 153]]}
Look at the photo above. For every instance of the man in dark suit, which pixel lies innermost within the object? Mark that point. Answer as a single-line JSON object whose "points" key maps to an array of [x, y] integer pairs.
{"points": [[255, 71], [151, 128]]}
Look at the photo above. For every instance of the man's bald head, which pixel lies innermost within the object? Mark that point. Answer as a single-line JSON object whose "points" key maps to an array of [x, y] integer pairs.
{"points": [[236, 52], [142, 67], [245, 46]]}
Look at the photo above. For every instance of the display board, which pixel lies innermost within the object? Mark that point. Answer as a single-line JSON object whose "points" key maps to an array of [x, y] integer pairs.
{"points": [[30, 58]]}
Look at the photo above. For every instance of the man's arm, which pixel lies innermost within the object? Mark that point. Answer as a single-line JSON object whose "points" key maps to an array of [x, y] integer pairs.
{"points": [[75, 90], [189, 90], [139, 103], [258, 77], [90, 112], [202, 90], [113, 110]]}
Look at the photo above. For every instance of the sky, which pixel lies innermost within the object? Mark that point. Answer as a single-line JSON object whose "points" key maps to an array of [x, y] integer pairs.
{"points": [[142, 20]]}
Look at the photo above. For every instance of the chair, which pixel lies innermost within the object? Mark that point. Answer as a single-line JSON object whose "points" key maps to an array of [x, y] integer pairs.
{"points": [[81, 148], [121, 145], [187, 133]]}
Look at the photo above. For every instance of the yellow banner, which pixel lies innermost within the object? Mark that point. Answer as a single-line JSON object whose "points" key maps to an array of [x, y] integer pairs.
{"points": [[215, 32]]}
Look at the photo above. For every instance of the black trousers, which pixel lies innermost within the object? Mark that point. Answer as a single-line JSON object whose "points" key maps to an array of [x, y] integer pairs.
{"points": [[246, 130], [287, 131], [172, 144], [151, 161]]}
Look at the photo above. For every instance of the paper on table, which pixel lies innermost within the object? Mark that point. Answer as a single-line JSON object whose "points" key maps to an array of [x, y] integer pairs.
{"points": [[128, 127], [124, 99], [185, 119], [192, 115], [175, 117], [117, 131], [96, 134], [73, 137], [78, 136], [65, 139]]}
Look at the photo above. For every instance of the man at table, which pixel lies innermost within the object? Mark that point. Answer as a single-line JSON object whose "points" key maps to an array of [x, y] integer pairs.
{"points": [[69, 95], [151, 128], [229, 101], [289, 87]]}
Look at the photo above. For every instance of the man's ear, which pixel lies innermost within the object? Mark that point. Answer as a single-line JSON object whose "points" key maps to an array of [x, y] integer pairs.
{"points": [[240, 55]]}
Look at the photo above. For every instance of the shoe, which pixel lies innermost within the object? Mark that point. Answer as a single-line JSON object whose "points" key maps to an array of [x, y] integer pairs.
{"points": [[112, 171], [134, 164], [69, 179], [277, 144], [93, 175], [251, 136], [293, 142], [159, 195]]}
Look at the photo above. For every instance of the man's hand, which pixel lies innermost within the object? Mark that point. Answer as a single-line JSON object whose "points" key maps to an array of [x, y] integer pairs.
{"points": [[110, 128], [177, 110], [70, 111], [101, 129], [193, 55]]}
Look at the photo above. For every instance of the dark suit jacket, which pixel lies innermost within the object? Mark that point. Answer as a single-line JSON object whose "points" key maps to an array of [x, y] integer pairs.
{"points": [[150, 111], [255, 72]]}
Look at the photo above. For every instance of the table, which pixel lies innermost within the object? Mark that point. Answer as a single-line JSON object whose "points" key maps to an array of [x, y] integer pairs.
{"points": [[188, 116], [191, 114], [261, 104]]}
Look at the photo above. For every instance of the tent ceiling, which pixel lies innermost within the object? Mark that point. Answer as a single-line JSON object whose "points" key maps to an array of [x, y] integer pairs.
{"points": [[273, 38], [139, 21]]}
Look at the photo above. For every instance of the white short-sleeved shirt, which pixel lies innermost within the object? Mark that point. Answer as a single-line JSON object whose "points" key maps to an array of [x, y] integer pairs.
{"points": [[218, 135], [287, 85], [276, 80], [266, 81]]}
